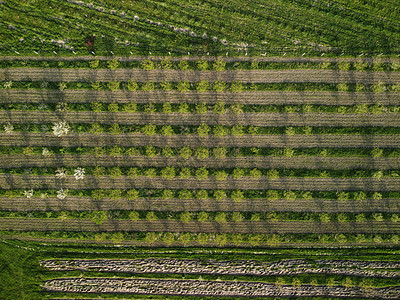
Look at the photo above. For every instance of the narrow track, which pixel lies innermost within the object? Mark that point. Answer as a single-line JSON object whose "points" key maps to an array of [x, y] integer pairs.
{"points": [[138, 139]]}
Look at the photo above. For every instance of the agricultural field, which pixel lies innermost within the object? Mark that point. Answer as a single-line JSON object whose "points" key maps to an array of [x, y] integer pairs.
{"points": [[251, 151]]}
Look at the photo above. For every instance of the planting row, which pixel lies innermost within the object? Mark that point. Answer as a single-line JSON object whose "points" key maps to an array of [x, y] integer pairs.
{"points": [[210, 288], [117, 153], [199, 157], [240, 268], [202, 108], [202, 64], [306, 120], [99, 224], [199, 173], [183, 88], [223, 201], [249, 76], [100, 217], [63, 128], [13, 139], [80, 181], [246, 98], [237, 196]]}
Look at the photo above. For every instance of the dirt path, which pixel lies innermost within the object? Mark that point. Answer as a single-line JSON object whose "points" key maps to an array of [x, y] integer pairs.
{"points": [[300, 162], [212, 288], [246, 227], [138, 139], [227, 119], [211, 97], [251, 76], [160, 204], [10, 181]]}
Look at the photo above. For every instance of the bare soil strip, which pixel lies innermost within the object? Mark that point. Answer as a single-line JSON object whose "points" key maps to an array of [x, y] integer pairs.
{"points": [[210, 97], [211, 288], [251, 76], [11, 181], [227, 119], [299, 162], [245, 227], [239, 268], [194, 205], [138, 139]]}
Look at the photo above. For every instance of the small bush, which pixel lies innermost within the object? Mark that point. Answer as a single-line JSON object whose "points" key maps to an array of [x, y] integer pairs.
{"points": [[183, 86], [185, 152], [237, 196], [219, 65], [113, 64], [201, 173], [185, 173], [183, 65], [220, 195], [220, 175], [132, 85], [148, 65], [202, 65], [219, 152], [202, 216], [220, 218], [168, 173], [202, 153]]}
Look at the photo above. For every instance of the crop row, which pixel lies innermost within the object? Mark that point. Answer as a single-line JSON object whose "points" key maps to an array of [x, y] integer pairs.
{"points": [[99, 217], [10, 181], [275, 227], [210, 288], [179, 141], [209, 97], [187, 153], [244, 119], [184, 108], [206, 195], [209, 59], [252, 76], [198, 161], [63, 128], [241, 268], [194, 204]]}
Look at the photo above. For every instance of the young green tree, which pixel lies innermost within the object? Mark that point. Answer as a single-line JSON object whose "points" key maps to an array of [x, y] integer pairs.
{"points": [[201, 173]]}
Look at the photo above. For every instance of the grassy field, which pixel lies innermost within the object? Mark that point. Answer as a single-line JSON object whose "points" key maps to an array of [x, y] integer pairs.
{"points": [[154, 27]]}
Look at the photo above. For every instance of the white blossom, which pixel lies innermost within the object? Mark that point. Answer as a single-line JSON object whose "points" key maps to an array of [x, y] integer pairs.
{"points": [[8, 84], [62, 194], [8, 128], [79, 173], [60, 128], [28, 193], [46, 152], [60, 173]]}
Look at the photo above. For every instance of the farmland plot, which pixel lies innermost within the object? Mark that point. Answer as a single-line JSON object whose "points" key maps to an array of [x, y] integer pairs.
{"points": [[204, 158]]}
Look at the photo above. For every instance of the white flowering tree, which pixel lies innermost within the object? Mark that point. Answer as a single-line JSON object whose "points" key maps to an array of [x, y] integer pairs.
{"points": [[61, 173], [79, 173], [62, 194], [28, 193], [60, 128], [8, 128], [46, 152]]}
